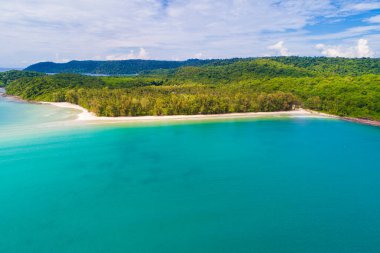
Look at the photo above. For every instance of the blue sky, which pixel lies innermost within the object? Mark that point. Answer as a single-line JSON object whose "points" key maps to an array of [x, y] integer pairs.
{"points": [[52, 30]]}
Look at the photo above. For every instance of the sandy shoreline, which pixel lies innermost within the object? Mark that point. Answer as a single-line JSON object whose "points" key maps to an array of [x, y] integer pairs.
{"points": [[85, 115], [362, 121], [350, 119]]}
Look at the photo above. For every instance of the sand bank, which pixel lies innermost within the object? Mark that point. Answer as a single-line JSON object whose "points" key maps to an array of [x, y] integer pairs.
{"points": [[85, 115]]}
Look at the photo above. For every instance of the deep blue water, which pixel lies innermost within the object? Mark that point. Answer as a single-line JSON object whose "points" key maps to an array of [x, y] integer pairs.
{"points": [[264, 185]]}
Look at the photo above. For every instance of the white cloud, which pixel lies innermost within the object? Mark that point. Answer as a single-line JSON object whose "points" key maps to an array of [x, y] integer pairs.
{"points": [[280, 49], [198, 55], [360, 50], [363, 50], [364, 6], [58, 59], [348, 33], [374, 19], [141, 55]]}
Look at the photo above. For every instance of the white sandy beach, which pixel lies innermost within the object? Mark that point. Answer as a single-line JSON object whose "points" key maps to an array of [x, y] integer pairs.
{"points": [[85, 115]]}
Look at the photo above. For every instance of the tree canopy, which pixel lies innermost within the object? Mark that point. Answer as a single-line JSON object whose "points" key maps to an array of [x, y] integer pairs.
{"points": [[345, 87], [9, 76]]}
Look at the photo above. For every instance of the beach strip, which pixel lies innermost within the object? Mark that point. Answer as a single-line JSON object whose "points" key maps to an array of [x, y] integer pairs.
{"points": [[85, 115]]}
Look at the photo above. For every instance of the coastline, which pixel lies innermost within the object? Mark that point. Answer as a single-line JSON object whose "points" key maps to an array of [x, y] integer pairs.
{"points": [[350, 119], [362, 121], [87, 116]]}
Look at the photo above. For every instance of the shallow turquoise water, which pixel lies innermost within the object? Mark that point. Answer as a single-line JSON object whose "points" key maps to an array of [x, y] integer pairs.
{"points": [[280, 185]]}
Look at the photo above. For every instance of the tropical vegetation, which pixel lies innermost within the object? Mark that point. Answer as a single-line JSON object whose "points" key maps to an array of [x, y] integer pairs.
{"points": [[345, 87], [9, 76]]}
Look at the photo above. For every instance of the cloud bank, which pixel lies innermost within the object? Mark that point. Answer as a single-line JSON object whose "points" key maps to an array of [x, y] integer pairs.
{"points": [[280, 49], [38, 30], [141, 55], [359, 51], [374, 19]]}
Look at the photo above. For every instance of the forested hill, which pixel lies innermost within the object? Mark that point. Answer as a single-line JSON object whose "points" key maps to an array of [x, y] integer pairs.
{"points": [[330, 66], [112, 67], [303, 65], [12, 75]]}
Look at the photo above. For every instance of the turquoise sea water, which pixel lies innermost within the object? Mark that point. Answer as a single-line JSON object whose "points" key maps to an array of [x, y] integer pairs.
{"points": [[268, 185]]}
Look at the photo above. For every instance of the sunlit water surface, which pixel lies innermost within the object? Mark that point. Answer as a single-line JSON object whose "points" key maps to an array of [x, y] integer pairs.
{"points": [[264, 185]]}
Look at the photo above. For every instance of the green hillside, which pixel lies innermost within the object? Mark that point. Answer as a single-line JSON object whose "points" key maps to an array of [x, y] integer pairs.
{"points": [[126, 67], [9, 76]]}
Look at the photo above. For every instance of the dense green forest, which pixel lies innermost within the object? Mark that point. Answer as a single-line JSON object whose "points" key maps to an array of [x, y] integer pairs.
{"points": [[314, 65], [125, 67], [146, 96], [339, 66], [345, 87], [9, 76]]}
